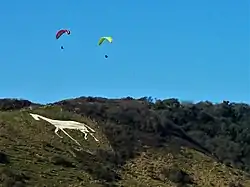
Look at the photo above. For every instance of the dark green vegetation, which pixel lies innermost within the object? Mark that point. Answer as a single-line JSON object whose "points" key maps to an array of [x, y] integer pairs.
{"points": [[165, 143]]}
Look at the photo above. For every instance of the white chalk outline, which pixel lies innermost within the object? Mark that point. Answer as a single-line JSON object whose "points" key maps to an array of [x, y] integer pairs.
{"points": [[61, 125]]}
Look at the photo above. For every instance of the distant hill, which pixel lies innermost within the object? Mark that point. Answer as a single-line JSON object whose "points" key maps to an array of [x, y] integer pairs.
{"points": [[142, 143]]}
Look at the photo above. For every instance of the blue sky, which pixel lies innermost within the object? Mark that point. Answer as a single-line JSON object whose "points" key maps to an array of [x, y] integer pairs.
{"points": [[192, 50]]}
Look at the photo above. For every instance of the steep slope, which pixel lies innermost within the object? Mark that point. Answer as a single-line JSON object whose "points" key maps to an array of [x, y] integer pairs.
{"points": [[39, 156], [139, 146]]}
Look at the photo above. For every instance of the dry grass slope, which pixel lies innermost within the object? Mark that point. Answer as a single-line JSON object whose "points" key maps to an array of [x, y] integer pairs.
{"points": [[153, 168]]}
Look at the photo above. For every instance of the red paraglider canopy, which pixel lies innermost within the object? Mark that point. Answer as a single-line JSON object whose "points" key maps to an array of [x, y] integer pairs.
{"points": [[61, 32]]}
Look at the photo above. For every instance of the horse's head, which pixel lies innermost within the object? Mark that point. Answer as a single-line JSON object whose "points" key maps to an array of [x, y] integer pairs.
{"points": [[35, 116]]}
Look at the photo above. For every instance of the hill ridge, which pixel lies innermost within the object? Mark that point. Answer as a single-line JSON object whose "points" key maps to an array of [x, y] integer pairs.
{"points": [[129, 128]]}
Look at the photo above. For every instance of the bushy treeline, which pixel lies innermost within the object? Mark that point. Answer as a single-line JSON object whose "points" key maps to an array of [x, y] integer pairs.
{"points": [[221, 130], [15, 104]]}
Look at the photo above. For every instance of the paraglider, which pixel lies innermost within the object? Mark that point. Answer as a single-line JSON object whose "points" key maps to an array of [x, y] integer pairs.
{"points": [[105, 38], [60, 33]]}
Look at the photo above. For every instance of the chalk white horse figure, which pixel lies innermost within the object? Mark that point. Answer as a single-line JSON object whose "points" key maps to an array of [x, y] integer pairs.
{"points": [[61, 125]]}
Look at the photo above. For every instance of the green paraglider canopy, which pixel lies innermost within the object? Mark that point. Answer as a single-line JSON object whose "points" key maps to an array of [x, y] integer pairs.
{"points": [[107, 38]]}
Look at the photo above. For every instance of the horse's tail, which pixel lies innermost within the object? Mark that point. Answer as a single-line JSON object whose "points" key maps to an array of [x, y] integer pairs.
{"points": [[89, 128]]}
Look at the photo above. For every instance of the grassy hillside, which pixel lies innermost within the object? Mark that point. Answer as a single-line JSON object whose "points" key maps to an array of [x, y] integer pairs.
{"points": [[142, 143]]}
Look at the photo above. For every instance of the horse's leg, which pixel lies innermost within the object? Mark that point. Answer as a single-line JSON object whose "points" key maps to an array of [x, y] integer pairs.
{"points": [[85, 135], [56, 132], [94, 137], [70, 137], [84, 131]]}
